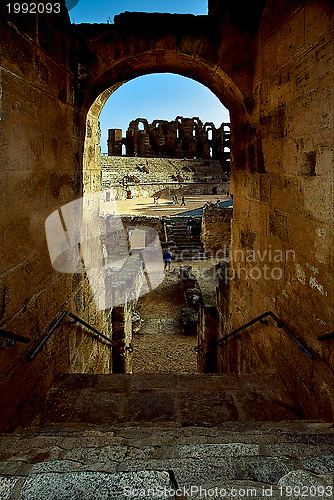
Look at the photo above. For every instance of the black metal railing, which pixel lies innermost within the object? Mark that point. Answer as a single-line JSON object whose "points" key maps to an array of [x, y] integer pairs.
{"points": [[304, 348], [75, 319], [11, 338], [33, 353], [327, 336]]}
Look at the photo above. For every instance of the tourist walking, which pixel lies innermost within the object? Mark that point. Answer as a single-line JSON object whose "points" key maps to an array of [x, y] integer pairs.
{"points": [[167, 259], [183, 202]]}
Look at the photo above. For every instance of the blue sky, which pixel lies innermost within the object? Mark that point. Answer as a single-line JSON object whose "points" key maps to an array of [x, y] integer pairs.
{"points": [[155, 96], [98, 11]]}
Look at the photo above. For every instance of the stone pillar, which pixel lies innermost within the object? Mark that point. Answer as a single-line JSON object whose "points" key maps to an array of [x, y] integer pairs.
{"points": [[122, 336], [115, 142]]}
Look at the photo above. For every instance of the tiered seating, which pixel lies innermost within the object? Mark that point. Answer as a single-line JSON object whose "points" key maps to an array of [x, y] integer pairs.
{"points": [[158, 170]]}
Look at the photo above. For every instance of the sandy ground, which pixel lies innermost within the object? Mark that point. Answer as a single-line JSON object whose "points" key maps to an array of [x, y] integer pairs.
{"points": [[165, 206], [161, 345]]}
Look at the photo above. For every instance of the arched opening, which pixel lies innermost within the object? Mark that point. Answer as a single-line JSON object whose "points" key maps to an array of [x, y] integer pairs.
{"points": [[158, 201]]}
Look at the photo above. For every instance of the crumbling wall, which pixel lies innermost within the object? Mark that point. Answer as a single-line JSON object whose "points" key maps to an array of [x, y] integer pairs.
{"points": [[216, 230], [283, 204], [179, 138]]}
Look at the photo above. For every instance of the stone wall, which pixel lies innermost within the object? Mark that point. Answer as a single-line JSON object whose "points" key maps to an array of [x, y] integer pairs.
{"points": [[216, 230], [42, 133], [283, 204], [147, 221]]}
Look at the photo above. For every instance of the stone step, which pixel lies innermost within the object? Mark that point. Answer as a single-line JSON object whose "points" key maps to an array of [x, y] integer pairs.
{"points": [[165, 399], [116, 436], [57, 463], [185, 237], [188, 245], [188, 252], [186, 255]]}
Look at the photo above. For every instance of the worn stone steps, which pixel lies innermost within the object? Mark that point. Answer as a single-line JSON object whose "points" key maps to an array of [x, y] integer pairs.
{"points": [[186, 246], [165, 399], [161, 170], [70, 462], [166, 436]]}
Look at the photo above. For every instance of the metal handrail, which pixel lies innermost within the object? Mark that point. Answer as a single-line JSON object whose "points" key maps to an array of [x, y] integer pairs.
{"points": [[13, 336], [82, 322], [327, 336], [55, 325], [279, 324], [46, 337]]}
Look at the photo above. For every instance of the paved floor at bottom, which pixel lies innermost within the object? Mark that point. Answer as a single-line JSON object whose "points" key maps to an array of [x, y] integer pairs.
{"points": [[292, 460]]}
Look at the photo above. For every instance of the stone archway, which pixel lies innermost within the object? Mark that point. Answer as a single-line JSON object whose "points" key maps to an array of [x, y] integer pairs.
{"points": [[92, 149], [138, 44]]}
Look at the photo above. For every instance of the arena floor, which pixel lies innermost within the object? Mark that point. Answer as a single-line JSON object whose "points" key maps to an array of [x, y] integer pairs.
{"points": [[165, 206]]}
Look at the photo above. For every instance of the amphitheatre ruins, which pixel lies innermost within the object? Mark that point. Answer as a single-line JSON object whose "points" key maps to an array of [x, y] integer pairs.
{"points": [[167, 306]]}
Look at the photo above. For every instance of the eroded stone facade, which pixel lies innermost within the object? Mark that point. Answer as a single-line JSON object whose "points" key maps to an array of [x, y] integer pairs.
{"points": [[179, 138]]}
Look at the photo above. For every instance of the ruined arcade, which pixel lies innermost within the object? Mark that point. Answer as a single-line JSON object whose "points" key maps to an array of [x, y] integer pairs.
{"points": [[271, 64]]}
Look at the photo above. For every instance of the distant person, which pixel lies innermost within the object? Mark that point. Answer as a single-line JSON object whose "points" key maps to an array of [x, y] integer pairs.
{"points": [[183, 201], [190, 224], [218, 201], [176, 199], [167, 259], [154, 200], [157, 200]]}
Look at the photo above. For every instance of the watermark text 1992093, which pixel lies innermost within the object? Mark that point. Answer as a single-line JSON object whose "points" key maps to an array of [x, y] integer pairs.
{"points": [[39, 7]]}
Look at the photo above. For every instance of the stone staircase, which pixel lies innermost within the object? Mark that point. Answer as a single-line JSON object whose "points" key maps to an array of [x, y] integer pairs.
{"points": [[167, 436], [188, 247]]}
